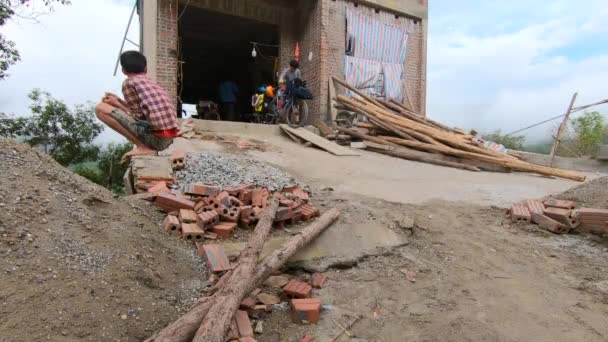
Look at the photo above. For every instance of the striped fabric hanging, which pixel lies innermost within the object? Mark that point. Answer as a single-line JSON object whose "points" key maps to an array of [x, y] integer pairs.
{"points": [[380, 46]]}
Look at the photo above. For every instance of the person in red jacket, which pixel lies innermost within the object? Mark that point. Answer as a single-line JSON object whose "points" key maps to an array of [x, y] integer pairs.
{"points": [[146, 116]]}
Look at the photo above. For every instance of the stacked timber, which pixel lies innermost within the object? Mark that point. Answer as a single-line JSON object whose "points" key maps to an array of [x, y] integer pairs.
{"points": [[396, 130]]}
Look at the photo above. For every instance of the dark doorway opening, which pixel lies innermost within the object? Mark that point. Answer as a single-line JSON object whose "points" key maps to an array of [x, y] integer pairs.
{"points": [[215, 47]]}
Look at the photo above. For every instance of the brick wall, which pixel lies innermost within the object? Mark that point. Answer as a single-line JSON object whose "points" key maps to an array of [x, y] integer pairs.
{"points": [[320, 29], [166, 51], [415, 67], [333, 45]]}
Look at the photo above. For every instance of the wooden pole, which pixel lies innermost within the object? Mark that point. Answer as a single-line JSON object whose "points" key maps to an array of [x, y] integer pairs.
{"points": [[185, 327], [406, 153], [561, 128], [509, 163], [226, 303]]}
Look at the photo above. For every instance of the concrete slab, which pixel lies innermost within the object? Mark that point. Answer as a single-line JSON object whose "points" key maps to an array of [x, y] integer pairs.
{"points": [[205, 126], [151, 167], [393, 179], [339, 245]]}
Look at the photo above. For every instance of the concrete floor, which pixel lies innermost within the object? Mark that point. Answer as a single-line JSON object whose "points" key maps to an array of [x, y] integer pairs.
{"points": [[391, 179]]}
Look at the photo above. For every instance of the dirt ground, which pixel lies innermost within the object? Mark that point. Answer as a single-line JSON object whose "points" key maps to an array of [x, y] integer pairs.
{"points": [[80, 265]]}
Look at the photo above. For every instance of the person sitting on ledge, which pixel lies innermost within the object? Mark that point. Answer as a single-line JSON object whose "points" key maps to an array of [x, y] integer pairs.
{"points": [[146, 116]]}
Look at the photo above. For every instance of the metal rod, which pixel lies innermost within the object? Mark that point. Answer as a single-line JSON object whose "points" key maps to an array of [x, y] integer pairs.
{"points": [[124, 38], [132, 42], [260, 44]]}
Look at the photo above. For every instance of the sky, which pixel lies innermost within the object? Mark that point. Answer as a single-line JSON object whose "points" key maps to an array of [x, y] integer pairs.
{"points": [[491, 64]]}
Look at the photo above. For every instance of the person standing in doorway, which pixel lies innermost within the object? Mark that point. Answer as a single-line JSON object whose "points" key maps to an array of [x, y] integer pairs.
{"points": [[228, 93]]}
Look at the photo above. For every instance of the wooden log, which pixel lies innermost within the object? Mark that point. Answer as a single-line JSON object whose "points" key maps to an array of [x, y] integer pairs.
{"points": [[402, 132], [185, 327], [447, 138], [514, 164], [414, 155], [226, 302], [377, 145]]}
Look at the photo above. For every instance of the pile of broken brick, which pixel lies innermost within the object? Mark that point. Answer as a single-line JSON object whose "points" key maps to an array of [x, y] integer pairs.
{"points": [[207, 212], [304, 308], [202, 212], [560, 216]]}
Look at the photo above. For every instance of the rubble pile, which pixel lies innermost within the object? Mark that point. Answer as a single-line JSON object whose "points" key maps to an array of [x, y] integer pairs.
{"points": [[560, 216], [226, 170], [205, 212]]}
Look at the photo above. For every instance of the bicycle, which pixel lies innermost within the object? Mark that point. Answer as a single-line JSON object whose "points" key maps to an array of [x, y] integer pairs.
{"points": [[294, 111]]}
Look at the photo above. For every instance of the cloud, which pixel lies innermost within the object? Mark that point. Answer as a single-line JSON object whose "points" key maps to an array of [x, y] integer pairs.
{"points": [[509, 65], [70, 53]]}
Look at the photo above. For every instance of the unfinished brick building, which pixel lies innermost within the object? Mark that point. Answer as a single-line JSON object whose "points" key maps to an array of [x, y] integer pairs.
{"points": [[379, 45]]}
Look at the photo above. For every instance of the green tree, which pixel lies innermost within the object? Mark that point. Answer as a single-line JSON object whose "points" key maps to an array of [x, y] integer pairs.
{"points": [[588, 130], [111, 167], [91, 173], [67, 135], [512, 142], [9, 54], [12, 127]]}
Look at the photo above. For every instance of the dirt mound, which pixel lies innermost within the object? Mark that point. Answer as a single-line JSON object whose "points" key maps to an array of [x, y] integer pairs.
{"points": [[79, 264], [590, 194]]}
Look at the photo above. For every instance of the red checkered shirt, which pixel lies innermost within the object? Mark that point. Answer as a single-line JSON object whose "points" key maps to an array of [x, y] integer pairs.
{"points": [[147, 100]]}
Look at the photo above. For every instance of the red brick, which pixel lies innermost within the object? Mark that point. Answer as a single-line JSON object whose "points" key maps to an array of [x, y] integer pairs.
{"points": [[222, 199], [192, 232], [210, 236], [549, 224], [237, 190], [592, 212], [257, 211], [187, 216], [535, 206], [307, 338], [215, 257], [207, 219], [520, 213], [198, 207], [284, 214], [297, 289], [258, 197], [160, 186], [317, 280], [308, 211], [560, 203], [230, 214], [287, 203], [171, 224], [201, 190], [246, 196], [564, 216], [305, 310], [248, 304], [169, 202], [224, 229], [298, 192], [243, 323]]}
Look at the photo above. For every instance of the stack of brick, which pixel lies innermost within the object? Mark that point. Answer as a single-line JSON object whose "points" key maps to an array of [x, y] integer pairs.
{"points": [[206, 211], [593, 220], [560, 216]]}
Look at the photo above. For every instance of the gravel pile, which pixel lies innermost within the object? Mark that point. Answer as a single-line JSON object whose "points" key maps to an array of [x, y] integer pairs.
{"points": [[222, 169], [591, 194]]}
